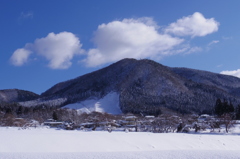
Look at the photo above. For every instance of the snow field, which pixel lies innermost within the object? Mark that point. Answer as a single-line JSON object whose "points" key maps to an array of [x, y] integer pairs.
{"points": [[60, 144], [175, 154]]}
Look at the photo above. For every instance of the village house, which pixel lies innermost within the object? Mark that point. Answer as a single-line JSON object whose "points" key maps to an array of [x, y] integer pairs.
{"points": [[53, 123]]}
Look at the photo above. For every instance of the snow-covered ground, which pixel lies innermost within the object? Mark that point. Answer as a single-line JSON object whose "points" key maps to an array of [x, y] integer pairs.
{"points": [[109, 104], [60, 144]]}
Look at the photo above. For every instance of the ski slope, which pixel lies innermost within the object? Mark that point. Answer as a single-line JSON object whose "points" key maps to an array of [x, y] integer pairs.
{"points": [[108, 104]]}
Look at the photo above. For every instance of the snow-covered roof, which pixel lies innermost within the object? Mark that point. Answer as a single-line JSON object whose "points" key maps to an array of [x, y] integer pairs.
{"points": [[149, 116], [130, 117], [53, 122], [204, 115], [83, 124]]}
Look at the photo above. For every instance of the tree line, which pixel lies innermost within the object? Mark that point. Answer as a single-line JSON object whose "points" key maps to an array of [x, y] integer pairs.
{"points": [[223, 107]]}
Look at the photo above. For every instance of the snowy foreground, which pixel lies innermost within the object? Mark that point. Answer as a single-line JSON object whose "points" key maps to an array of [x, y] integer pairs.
{"points": [[60, 144]]}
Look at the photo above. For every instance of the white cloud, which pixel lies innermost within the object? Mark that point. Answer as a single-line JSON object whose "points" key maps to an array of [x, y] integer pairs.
{"points": [[58, 49], [213, 42], [193, 49], [184, 49], [193, 25], [235, 73], [129, 38], [20, 57], [227, 38], [26, 15]]}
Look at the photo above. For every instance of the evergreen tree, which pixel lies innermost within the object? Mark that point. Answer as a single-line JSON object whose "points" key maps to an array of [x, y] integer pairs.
{"points": [[230, 108], [223, 107], [238, 112], [54, 116], [20, 110], [218, 109]]}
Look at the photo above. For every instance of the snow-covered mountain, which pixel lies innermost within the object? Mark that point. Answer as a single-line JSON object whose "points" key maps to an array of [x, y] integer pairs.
{"points": [[142, 86]]}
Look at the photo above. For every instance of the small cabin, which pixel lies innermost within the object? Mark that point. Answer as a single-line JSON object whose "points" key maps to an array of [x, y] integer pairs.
{"points": [[53, 123], [204, 117], [129, 120]]}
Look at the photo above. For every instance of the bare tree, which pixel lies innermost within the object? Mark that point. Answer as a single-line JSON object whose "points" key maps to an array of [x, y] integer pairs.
{"points": [[227, 120]]}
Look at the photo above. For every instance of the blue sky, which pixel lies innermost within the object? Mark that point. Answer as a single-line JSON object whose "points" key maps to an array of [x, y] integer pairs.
{"points": [[43, 42]]}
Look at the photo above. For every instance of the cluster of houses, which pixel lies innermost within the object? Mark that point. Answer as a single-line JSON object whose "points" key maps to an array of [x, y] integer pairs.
{"points": [[129, 123]]}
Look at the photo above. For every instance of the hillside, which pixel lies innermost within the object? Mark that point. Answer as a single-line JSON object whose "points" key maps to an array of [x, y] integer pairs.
{"points": [[229, 84]]}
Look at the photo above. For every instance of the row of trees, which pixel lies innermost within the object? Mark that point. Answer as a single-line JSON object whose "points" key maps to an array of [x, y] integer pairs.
{"points": [[224, 107]]}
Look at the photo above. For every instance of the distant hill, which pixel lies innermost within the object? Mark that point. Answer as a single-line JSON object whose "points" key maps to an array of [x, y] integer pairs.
{"points": [[147, 87], [16, 95]]}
